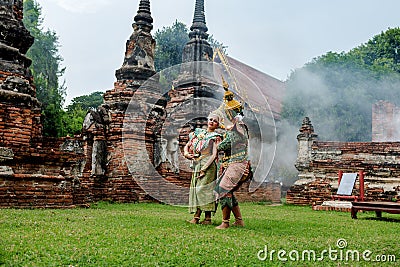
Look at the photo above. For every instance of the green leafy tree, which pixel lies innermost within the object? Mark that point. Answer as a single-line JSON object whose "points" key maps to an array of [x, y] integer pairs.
{"points": [[76, 111], [170, 43], [73, 121], [86, 102], [46, 69], [337, 90], [382, 52]]}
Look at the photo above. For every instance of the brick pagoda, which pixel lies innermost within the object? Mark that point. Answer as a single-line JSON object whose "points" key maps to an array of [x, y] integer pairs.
{"points": [[34, 171]]}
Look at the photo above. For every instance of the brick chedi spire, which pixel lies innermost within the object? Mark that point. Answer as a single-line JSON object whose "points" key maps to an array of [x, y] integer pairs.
{"points": [[198, 49], [138, 65], [307, 131], [305, 139], [104, 138], [196, 78], [19, 107], [143, 18], [199, 28], [139, 54], [35, 171], [15, 40]]}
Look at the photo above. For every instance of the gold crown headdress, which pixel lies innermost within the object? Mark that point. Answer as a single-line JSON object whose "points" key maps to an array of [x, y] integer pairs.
{"points": [[230, 103]]}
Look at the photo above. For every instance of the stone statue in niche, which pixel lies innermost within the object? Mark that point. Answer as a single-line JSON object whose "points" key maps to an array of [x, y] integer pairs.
{"points": [[99, 157], [160, 151], [172, 154], [166, 150], [99, 117], [88, 121]]}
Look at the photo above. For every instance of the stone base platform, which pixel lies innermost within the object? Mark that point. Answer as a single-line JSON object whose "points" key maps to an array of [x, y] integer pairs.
{"points": [[334, 205]]}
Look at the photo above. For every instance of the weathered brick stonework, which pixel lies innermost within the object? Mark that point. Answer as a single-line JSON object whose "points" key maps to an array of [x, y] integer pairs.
{"points": [[46, 177], [19, 126], [117, 158], [34, 171], [319, 163], [20, 110], [107, 175]]}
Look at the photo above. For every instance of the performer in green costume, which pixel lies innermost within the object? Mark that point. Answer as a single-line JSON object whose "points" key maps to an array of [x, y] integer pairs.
{"points": [[235, 166], [202, 150]]}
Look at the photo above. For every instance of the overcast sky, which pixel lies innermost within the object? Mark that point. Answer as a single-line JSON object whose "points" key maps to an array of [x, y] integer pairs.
{"points": [[273, 36]]}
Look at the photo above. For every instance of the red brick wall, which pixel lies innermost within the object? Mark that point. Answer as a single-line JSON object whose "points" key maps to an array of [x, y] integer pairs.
{"points": [[380, 162], [47, 177]]}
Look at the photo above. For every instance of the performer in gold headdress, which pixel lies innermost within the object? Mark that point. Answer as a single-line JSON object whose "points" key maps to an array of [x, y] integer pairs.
{"points": [[235, 166]]}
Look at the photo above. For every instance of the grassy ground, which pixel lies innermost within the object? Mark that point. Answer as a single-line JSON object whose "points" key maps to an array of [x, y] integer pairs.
{"points": [[158, 235]]}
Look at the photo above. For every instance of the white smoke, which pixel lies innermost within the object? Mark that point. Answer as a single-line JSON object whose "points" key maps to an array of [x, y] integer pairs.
{"points": [[283, 169]]}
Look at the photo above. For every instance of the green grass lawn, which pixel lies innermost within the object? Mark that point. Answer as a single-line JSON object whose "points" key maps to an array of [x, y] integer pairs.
{"points": [[158, 235]]}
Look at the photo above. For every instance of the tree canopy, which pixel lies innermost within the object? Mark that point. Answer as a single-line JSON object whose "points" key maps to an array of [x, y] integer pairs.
{"points": [[86, 102], [46, 69], [337, 90], [76, 111], [170, 42]]}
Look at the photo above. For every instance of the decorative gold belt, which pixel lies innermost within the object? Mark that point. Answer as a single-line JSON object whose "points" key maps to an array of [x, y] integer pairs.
{"points": [[234, 155]]}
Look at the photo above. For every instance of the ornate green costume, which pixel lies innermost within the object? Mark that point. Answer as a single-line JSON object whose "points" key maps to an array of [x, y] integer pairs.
{"points": [[234, 164], [201, 188]]}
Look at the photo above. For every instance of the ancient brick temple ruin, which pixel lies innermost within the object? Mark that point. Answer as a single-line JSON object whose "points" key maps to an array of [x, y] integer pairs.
{"points": [[134, 140], [319, 163], [34, 171], [130, 149]]}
